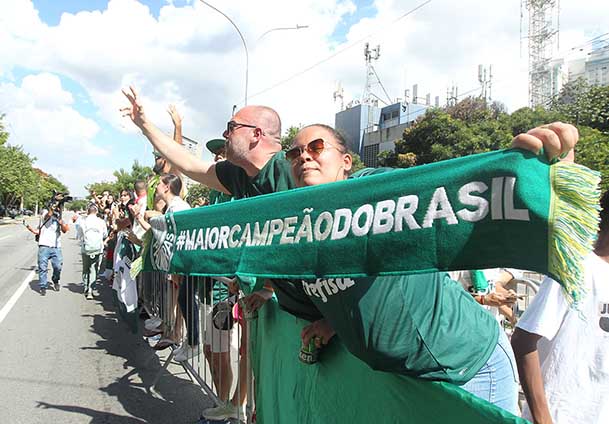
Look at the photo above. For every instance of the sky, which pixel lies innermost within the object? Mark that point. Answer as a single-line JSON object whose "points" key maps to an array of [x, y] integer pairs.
{"points": [[63, 64]]}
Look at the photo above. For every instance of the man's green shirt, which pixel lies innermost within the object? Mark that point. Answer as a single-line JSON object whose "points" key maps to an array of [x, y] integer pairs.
{"points": [[275, 176]]}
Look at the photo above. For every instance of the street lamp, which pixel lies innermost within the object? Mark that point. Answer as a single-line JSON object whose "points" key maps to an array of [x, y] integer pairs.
{"points": [[247, 58], [281, 29]]}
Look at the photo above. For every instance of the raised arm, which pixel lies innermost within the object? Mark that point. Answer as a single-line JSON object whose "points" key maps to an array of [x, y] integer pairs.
{"points": [[198, 170]]}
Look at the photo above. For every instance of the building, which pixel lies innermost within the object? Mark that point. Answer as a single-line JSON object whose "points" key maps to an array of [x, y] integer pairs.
{"points": [[370, 130], [195, 148], [594, 69]]}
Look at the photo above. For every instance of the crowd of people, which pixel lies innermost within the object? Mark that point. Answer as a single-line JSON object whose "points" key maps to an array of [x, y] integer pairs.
{"points": [[419, 325]]}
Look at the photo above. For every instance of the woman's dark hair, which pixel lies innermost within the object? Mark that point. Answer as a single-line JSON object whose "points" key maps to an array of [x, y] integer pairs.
{"points": [[338, 137], [174, 183]]}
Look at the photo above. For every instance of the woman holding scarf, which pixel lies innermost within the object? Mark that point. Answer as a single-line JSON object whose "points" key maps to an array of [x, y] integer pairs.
{"points": [[424, 326]]}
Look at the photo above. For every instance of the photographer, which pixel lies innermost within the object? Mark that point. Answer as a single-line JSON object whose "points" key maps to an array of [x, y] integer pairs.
{"points": [[48, 235]]}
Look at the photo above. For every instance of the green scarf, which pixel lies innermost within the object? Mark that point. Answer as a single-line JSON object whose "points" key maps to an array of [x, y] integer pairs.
{"points": [[501, 209]]}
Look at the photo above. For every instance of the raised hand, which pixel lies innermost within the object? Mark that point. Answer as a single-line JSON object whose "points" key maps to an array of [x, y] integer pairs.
{"points": [[175, 116], [136, 110], [557, 140]]}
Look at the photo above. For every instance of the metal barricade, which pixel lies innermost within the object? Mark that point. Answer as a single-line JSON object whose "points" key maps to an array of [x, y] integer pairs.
{"points": [[214, 347]]}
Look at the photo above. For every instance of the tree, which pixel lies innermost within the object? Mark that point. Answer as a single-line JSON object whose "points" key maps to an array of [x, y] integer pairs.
{"points": [[470, 110], [288, 138], [124, 179], [76, 205], [17, 178], [357, 162], [592, 151], [583, 104], [3, 133]]}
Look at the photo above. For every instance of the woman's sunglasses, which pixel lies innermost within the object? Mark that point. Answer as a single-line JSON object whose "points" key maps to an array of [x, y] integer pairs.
{"points": [[314, 148]]}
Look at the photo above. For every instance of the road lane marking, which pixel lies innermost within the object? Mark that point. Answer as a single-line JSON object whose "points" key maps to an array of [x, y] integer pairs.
{"points": [[15, 297], [5, 237]]}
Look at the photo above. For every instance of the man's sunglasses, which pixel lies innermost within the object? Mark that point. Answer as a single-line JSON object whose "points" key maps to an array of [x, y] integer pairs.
{"points": [[314, 148], [232, 125]]}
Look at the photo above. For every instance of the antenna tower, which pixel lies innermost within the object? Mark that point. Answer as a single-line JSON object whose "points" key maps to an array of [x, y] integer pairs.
{"points": [[543, 39], [370, 55]]}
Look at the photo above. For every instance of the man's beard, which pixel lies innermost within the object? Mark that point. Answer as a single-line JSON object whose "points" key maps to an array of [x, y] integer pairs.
{"points": [[158, 168]]}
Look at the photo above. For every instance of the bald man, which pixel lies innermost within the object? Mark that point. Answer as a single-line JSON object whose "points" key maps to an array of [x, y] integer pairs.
{"points": [[255, 162]]}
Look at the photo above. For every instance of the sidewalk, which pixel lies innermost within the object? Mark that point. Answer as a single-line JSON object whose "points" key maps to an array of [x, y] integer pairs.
{"points": [[68, 360]]}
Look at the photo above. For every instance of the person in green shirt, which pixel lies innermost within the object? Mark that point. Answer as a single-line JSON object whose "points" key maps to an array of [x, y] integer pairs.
{"points": [[255, 163], [422, 325]]}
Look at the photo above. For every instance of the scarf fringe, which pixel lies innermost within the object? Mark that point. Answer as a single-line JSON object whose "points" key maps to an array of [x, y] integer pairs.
{"points": [[574, 218]]}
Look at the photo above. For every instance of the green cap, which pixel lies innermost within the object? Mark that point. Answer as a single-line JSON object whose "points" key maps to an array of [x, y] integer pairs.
{"points": [[157, 154], [215, 145]]}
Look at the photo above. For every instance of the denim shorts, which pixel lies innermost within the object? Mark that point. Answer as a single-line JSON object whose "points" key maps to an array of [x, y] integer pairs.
{"points": [[497, 381]]}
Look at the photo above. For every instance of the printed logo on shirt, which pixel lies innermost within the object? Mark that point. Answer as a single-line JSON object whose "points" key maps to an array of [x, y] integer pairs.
{"points": [[603, 321], [324, 287]]}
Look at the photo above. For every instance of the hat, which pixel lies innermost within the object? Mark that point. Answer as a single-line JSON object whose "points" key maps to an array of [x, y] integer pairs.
{"points": [[215, 145], [157, 154]]}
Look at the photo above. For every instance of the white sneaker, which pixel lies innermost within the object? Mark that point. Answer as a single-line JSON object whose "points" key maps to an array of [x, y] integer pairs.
{"points": [[224, 412], [152, 323], [184, 353]]}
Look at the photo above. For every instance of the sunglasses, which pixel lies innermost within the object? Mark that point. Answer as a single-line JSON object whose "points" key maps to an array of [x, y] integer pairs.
{"points": [[232, 125], [314, 148]]}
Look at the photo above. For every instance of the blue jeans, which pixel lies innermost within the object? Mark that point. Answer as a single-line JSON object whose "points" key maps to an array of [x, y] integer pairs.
{"points": [[497, 381], [45, 254]]}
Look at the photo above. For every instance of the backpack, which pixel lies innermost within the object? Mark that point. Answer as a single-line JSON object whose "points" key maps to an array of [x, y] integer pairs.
{"points": [[93, 240]]}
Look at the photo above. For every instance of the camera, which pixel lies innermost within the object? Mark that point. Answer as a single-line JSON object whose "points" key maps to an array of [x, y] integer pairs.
{"points": [[57, 201]]}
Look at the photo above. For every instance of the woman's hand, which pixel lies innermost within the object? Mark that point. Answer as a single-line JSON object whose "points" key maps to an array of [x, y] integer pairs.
{"points": [[557, 140], [254, 301], [320, 331]]}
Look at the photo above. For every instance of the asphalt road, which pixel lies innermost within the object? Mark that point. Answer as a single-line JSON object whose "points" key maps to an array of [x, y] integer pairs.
{"points": [[64, 359]]}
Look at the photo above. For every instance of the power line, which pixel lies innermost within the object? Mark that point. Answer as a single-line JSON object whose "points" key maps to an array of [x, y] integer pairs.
{"points": [[333, 55]]}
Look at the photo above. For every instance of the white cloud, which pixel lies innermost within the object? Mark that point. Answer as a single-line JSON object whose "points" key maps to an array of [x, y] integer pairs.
{"points": [[193, 57], [42, 119]]}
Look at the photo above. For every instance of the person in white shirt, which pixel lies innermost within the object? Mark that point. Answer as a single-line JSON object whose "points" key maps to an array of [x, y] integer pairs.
{"points": [[91, 232], [563, 351], [49, 246]]}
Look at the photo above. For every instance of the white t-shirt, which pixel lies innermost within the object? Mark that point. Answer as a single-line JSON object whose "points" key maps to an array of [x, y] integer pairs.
{"points": [[50, 233], [137, 228], [177, 204], [91, 221], [574, 348]]}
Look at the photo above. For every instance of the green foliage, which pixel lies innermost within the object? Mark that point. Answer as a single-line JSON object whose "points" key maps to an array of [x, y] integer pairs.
{"points": [[288, 138], [17, 177], [3, 133], [124, 180], [438, 136], [526, 118], [76, 205], [592, 150], [357, 162], [583, 104], [196, 194]]}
